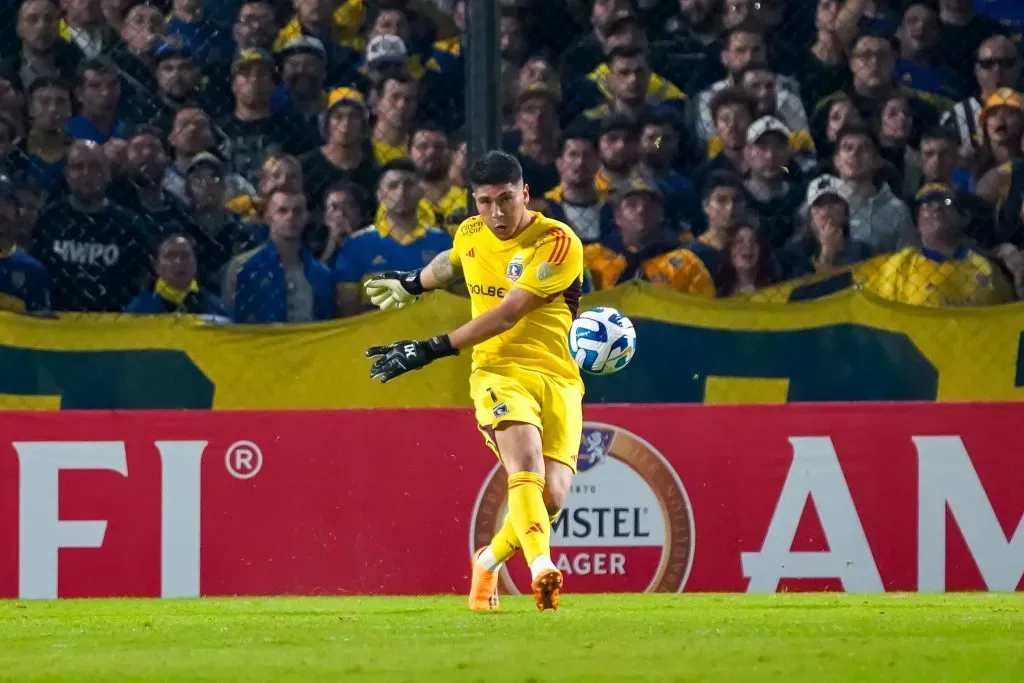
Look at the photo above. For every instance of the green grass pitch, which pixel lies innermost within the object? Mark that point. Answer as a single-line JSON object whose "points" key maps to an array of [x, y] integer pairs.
{"points": [[787, 637]]}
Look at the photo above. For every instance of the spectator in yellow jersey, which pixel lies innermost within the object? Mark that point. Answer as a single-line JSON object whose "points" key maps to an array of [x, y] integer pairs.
{"points": [[430, 150], [394, 100], [749, 264], [403, 237], [625, 82], [1001, 123], [942, 272], [576, 200], [641, 248]]}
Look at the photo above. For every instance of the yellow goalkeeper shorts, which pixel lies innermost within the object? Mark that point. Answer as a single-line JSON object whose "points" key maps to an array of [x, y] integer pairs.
{"points": [[552, 405]]}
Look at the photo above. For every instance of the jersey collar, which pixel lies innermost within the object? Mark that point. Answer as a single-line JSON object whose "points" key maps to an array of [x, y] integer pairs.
{"points": [[959, 255]]}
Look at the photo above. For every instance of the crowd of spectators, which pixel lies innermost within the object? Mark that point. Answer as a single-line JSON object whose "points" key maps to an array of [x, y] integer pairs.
{"points": [[257, 160]]}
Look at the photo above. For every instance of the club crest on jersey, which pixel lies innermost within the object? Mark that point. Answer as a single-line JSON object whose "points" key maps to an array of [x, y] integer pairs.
{"points": [[500, 410], [515, 269]]}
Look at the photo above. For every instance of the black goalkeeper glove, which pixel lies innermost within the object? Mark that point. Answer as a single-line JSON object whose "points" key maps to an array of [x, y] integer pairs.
{"points": [[401, 357], [394, 289]]}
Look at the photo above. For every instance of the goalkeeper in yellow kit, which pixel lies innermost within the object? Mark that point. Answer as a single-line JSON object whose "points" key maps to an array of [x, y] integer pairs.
{"points": [[524, 273]]}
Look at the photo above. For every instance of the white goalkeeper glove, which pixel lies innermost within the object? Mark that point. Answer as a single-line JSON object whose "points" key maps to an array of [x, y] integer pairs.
{"points": [[394, 289]]}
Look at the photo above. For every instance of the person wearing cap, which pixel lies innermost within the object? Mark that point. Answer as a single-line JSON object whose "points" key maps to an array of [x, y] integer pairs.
{"points": [[942, 271], [1002, 129], [404, 236], [824, 243], [431, 152], [996, 65], [190, 19], [877, 216], [395, 101], [537, 126], [95, 251], [331, 21], [24, 282], [389, 52], [762, 83], [345, 155], [176, 289], [254, 131], [182, 84], [215, 230], [303, 75], [939, 164], [642, 247], [576, 200], [774, 187], [191, 134]]}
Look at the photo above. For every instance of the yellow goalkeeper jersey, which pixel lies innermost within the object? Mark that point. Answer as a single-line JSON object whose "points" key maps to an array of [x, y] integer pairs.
{"points": [[545, 259], [924, 278]]}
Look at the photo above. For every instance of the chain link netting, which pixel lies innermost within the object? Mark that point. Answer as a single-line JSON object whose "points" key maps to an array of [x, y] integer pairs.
{"points": [[258, 159]]}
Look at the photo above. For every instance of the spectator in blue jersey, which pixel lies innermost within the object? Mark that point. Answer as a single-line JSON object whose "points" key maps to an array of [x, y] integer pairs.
{"points": [[42, 54], [404, 236], [97, 91], [46, 146], [1009, 13], [920, 65], [24, 282], [303, 73], [95, 251], [280, 281], [217, 233], [212, 41], [255, 26], [177, 289]]}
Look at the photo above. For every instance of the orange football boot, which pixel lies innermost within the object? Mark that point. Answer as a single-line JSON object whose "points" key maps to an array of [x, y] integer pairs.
{"points": [[483, 593], [547, 588]]}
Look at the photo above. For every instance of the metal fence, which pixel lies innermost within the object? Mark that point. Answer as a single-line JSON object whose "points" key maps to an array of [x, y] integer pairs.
{"points": [[226, 157]]}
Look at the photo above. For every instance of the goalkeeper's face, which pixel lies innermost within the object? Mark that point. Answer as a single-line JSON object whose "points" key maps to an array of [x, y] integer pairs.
{"points": [[503, 207]]}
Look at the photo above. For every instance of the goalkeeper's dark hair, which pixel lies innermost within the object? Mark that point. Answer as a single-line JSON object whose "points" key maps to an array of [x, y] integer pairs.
{"points": [[495, 168]]}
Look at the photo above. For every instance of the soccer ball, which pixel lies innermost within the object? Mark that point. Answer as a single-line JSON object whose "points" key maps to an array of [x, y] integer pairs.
{"points": [[602, 341]]}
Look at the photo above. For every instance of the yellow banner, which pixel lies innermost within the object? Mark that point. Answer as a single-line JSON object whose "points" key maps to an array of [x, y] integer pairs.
{"points": [[850, 346]]}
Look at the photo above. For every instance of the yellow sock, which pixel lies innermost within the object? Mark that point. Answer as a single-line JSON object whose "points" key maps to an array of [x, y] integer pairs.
{"points": [[505, 543], [528, 514]]}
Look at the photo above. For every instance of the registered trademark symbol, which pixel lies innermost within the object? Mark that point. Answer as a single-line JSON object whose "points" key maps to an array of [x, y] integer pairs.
{"points": [[243, 460]]}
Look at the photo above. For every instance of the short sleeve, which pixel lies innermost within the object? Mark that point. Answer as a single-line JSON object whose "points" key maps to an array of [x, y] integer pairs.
{"points": [[347, 265], [556, 264]]}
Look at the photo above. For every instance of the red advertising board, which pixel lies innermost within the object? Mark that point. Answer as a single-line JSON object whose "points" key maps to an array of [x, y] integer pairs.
{"points": [[798, 497]]}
